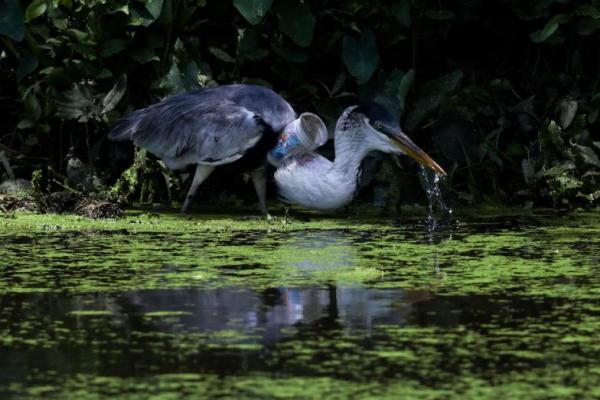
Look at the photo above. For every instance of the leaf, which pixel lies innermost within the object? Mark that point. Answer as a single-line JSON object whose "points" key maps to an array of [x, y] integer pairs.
{"points": [[587, 26], [431, 96], [177, 81], [549, 29], [405, 85], [568, 109], [289, 51], [554, 133], [297, 22], [395, 89], [35, 9], [360, 55], [115, 94], [154, 7], [588, 155], [76, 103], [528, 172], [27, 64], [112, 47], [591, 197], [143, 56], [588, 10], [168, 13], [253, 10], [442, 85], [145, 14], [221, 55], [12, 19], [25, 124], [33, 108], [401, 11], [248, 45]]}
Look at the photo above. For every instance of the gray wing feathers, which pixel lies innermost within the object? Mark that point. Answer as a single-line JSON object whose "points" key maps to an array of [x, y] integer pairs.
{"points": [[124, 128], [181, 131], [215, 125]]}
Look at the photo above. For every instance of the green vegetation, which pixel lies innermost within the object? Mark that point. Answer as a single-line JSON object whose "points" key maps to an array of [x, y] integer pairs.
{"points": [[146, 251], [477, 310], [499, 304], [504, 95]]}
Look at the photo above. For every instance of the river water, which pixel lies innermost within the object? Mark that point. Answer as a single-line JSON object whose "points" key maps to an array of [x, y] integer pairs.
{"points": [[500, 305]]}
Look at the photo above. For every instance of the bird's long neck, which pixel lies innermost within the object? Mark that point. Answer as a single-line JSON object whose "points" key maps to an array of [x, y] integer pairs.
{"points": [[350, 149]]}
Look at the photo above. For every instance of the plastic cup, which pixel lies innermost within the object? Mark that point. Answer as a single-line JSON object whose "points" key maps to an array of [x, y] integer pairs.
{"points": [[299, 137]]}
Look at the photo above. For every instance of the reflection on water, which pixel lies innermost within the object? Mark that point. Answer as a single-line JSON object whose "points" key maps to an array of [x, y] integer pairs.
{"points": [[209, 310], [348, 306], [336, 245]]}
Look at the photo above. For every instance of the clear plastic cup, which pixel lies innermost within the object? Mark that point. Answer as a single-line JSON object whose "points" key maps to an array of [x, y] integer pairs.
{"points": [[300, 136]]}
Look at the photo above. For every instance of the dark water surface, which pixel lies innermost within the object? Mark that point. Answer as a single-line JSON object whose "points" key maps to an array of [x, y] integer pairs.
{"points": [[165, 308]]}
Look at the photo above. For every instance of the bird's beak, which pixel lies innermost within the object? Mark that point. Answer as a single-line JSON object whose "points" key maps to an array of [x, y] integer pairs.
{"points": [[403, 143]]}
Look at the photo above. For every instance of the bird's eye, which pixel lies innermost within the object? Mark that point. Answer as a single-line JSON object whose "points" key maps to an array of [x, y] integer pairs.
{"points": [[378, 125]]}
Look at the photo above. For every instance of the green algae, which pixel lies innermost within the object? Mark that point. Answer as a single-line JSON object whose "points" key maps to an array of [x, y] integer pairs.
{"points": [[492, 307], [150, 252], [91, 313]]}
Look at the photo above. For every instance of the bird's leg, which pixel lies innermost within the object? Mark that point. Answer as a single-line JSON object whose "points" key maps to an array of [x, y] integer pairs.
{"points": [[259, 179], [202, 172]]}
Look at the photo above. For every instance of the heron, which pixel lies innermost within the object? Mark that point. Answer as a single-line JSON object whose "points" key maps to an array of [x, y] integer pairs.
{"points": [[313, 181], [241, 123], [209, 128]]}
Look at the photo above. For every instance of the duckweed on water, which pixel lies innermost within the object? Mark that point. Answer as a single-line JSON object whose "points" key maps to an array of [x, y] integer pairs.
{"points": [[168, 307]]}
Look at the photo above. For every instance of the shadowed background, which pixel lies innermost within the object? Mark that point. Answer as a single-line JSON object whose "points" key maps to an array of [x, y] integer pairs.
{"points": [[503, 94]]}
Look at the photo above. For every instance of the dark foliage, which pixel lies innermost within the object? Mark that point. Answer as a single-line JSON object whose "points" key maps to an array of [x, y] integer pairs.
{"points": [[504, 94]]}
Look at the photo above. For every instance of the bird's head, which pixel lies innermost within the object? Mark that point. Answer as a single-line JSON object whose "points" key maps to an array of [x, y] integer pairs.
{"points": [[379, 129]]}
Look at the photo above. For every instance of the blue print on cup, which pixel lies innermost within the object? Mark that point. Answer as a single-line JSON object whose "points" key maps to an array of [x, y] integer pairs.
{"points": [[287, 145], [300, 136]]}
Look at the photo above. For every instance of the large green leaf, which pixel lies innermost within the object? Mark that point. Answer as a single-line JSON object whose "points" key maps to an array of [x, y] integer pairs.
{"points": [[154, 7], [360, 55], [549, 29], [35, 9], [12, 21], [253, 10], [146, 13], [297, 22]]}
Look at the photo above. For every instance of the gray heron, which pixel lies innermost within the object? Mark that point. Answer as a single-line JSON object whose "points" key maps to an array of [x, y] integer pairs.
{"points": [[241, 123], [313, 181], [209, 128]]}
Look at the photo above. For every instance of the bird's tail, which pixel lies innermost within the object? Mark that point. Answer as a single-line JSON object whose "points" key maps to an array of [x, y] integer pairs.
{"points": [[126, 127]]}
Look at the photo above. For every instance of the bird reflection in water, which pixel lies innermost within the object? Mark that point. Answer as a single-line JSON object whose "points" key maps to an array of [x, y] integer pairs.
{"points": [[268, 312]]}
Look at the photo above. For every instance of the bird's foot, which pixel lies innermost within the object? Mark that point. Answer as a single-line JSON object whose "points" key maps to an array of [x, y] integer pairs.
{"points": [[185, 208], [185, 212]]}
